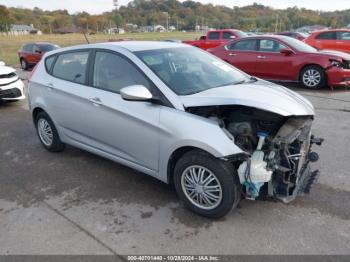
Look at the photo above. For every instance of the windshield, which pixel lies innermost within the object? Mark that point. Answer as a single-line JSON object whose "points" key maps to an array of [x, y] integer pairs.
{"points": [[299, 45], [48, 48], [189, 70]]}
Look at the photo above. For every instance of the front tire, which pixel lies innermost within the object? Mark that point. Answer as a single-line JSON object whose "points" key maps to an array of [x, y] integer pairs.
{"points": [[47, 133], [313, 77], [208, 186]]}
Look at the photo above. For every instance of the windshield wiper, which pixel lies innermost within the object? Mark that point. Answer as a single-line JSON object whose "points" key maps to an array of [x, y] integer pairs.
{"points": [[251, 80]]}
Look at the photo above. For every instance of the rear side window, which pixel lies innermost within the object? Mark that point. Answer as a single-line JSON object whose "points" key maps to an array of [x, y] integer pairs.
{"points": [[214, 35], [327, 36], [48, 63], [71, 67], [113, 72], [244, 45]]}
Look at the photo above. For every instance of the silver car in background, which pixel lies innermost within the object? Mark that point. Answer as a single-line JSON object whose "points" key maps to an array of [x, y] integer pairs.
{"points": [[178, 114]]}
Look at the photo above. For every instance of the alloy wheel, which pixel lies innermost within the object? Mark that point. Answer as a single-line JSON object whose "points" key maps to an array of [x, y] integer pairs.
{"points": [[312, 78], [201, 187], [45, 132]]}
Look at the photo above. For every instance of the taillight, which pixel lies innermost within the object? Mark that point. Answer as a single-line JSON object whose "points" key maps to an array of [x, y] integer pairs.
{"points": [[32, 73]]}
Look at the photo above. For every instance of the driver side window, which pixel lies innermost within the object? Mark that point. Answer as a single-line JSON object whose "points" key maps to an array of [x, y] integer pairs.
{"points": [[113, 72]]}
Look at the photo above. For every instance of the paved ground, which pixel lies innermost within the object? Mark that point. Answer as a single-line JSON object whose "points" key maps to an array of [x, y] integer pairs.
{"points": [[78, 203]]}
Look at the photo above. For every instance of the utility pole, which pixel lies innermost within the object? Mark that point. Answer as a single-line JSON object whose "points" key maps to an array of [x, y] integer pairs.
{"points": [[167, 20], [276, 24]]}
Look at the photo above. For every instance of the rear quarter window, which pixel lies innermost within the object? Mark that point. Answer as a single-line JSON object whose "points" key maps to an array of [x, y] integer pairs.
{"points": [[71, 66], [49, 62]]}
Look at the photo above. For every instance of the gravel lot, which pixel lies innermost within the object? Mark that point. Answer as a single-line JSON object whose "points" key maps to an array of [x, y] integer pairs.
{"points": [[78, 203]]}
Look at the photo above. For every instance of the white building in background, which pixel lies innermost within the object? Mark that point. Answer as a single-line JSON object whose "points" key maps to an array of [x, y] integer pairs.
{"points": [[24, 30], [115, 30], [159, 28]]}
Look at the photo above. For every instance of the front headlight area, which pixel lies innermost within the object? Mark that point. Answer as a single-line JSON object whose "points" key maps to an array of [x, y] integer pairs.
{"points": [[339, 64], [277, 150]]}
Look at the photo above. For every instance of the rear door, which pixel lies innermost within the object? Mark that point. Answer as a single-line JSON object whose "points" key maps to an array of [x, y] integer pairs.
{"points": [[242, 54], [68, 95], [271, 64], [213, 40], [326, 40], [343, 41]]}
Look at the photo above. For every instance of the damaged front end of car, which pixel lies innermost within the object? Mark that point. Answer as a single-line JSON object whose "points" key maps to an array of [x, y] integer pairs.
{"points": [[277, 150]]}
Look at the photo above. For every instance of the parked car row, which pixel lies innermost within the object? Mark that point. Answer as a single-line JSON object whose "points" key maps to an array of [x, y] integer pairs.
{"points": [[287, 59], [283, 57]]}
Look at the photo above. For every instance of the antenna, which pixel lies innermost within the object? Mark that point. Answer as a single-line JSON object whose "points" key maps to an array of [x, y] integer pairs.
{"points": [[87, 40]]}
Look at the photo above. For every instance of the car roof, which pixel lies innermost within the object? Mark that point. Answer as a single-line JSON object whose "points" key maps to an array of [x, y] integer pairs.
{"points": [[281, 37], [332, 30], [132, 46], [39, 43]]}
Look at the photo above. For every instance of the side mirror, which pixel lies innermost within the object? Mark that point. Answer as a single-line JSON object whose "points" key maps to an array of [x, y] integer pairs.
{"points": [[38, 51], [203, 37], [232, 37], [2, 63], [136, 93], [286, 52]]}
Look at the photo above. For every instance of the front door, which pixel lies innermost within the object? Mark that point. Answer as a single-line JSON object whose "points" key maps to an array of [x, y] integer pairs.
{"points": [[128, 129], [271, 64]]}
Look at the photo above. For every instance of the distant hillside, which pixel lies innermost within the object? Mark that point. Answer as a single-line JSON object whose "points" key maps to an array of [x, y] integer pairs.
{"points": [[183, 15]]}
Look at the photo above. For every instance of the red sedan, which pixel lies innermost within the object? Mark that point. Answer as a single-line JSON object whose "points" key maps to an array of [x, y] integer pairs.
{"points": [[287, 59]]}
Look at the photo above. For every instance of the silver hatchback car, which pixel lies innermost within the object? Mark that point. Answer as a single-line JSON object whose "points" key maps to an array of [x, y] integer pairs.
{"points": [[179, 114]]}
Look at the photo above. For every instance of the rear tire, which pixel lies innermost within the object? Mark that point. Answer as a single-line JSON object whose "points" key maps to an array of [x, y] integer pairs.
{"points": [[210, 199], [24, 64], [47, 133], [313, 77]]}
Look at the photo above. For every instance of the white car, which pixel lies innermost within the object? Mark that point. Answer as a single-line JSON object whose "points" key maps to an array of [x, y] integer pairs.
{"points": [[11, 86]]}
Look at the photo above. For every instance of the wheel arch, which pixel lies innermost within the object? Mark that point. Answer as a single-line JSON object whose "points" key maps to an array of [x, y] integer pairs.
{"points": [[310, 64], [36, 111], [176, 155]]}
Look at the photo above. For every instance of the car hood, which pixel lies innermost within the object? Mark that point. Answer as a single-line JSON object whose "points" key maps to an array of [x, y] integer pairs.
{"points": [[5, 70], [261, 94], [336, 54]]}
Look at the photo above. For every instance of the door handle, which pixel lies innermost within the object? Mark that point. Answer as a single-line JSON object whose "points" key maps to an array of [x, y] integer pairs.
{"points": [[95, 100], [232, 54], [261, 57]]}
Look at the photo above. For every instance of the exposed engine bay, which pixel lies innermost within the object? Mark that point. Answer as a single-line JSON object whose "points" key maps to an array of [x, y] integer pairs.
{"points": [[277, 150]]}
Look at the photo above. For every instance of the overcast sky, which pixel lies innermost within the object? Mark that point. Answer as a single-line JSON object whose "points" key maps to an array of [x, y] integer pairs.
{"points": [[99, 6]]}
